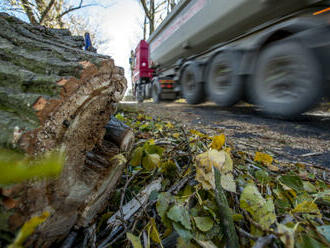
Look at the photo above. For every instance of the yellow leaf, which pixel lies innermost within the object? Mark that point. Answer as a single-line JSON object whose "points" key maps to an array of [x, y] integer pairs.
{"points": [[197, 133], [151, 161], [307, 207], [159, 127], [169, 125], [218, 142], [228, 150], [288, 235], [176, 135], [204, 167], [28, 228], [265, 159], [134, 240], [140, 117], [154, 234]]}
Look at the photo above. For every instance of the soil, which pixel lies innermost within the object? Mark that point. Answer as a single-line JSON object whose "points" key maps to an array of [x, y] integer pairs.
{"points": [[305, 139]]}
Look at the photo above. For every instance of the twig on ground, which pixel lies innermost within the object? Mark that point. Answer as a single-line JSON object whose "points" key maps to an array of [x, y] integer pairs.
{"points": [[263, 242], [246, 234]]}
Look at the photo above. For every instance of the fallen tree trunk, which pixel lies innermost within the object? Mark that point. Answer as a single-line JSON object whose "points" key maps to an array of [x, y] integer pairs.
{"points": [[55, 95]]}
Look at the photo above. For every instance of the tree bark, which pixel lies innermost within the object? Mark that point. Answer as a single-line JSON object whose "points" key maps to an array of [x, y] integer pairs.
{"points": [[55, 95]]}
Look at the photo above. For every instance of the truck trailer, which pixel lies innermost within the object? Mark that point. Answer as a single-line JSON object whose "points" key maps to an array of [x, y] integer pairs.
{"points": [[273, 53]]}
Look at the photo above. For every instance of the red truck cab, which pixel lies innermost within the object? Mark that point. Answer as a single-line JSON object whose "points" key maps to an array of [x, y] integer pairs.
{"points": [[142, 72]]}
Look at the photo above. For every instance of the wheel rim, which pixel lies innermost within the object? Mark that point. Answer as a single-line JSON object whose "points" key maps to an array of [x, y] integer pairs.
{"points": [[220, 78], [284, 80]]}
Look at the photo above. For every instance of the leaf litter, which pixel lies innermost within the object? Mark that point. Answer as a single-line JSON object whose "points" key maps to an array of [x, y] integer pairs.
{"points": [[271, 204]]}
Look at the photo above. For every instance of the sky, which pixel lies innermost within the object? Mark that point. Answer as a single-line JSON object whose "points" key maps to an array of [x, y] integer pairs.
{"points": [[120, 25]]}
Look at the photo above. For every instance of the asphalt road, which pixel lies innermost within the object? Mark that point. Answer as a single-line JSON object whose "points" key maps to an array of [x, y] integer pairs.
{"points": [[305, 139]]}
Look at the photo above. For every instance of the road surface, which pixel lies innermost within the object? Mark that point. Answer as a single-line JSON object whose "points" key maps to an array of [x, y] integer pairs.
{"points": [[305, 139]]}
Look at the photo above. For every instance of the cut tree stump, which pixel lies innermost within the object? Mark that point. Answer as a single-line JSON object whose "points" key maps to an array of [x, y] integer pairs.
{"points": [[55, 95]]}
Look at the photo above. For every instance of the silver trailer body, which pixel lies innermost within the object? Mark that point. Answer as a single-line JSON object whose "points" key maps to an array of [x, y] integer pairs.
{"points": [[196, 25]]}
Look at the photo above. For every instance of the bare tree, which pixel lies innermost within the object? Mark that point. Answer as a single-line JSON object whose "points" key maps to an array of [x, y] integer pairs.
{"points": [[49, 13], [152, 10], [171, 4]]}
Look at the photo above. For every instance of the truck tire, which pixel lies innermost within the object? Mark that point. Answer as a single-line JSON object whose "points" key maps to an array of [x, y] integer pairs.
{"points": [[192, 87], [288, 80], [224, 85], [155, 92], [139, 94]]}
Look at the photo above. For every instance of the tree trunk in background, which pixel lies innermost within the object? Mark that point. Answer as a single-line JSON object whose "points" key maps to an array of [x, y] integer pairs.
{"points": [[53, 94]]}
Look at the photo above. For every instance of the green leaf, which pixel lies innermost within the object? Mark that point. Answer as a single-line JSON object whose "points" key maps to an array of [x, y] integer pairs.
{"points": [[306, 241], [16, 168], [262, 210], [203, 223], [137, 157], [28, 228], [292, 181], [150, 161], [162, 205], [134, 240], [309, 187], [153, 149], [182, 243], [181, 215], [262, 176], [184, 233], [228, 183], [325, 231]]}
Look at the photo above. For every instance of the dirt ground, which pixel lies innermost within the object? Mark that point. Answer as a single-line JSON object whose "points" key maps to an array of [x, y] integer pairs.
{"points": [[305, 139]]}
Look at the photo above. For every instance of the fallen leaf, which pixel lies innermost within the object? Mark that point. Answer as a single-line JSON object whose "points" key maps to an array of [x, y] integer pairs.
{"points": [[307, 208], [151, 161], [28, 228], [181, 215], [184, 233], [263, 158], [176, 135], [154, 234], [169, 125], [228, 182], [134, 240], [288, 235], [218, 142], [204, 223], [292, 181], [262, 211], [325, 231], [309, 187], [137, 157]]}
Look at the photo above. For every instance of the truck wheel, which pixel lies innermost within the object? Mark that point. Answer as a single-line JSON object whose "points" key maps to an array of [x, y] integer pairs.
{"points": [[155, 92], [288, 80], [139, 94], [224, 85], [193, 90]]}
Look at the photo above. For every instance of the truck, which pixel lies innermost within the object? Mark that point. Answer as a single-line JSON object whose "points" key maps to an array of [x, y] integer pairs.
{"points": [[272, 53]]}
